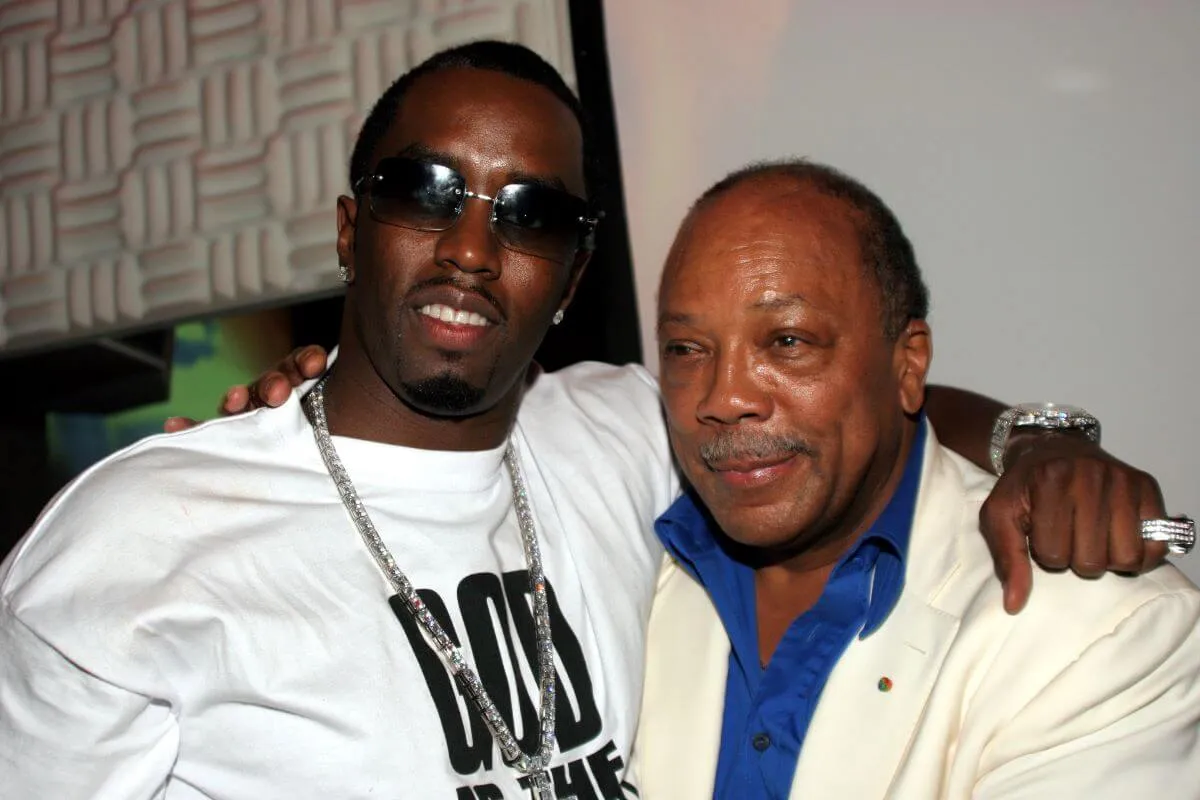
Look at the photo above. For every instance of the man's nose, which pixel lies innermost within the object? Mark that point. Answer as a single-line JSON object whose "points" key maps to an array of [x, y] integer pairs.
{"points": [[734, 392], [470, 243]]}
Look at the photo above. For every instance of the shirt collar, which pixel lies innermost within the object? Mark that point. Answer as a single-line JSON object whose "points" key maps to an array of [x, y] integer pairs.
{"points": [[893, 530], [684, 530]]}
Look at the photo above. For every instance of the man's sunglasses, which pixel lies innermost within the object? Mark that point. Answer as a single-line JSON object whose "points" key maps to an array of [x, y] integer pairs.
{"points": [[527, 217]]}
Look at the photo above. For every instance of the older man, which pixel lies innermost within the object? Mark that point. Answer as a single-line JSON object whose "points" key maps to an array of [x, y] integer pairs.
{"points": [[829, 625]]}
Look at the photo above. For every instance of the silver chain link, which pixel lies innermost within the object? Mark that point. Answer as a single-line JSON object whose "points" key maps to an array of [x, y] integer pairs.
{"points": [[535, 765]]}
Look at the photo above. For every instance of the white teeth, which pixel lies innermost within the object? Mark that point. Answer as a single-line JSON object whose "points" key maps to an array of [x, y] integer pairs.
{"points": [[454, 315]]}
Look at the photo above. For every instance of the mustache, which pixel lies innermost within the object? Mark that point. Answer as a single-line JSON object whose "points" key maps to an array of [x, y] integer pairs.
{"points": [[477, 289], [732, 446]]}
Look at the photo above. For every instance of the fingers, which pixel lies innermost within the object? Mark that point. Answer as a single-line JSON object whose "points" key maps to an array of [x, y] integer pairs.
{"points": [[1052, 515], [311, 362], [1090, 532], [1126, 550], [1019, 583], [289, 367], [1086, 516], [1004, 522], [302, 364], [273, 387], [236, 401], [1084, 512], [1150, 507], [272, 390], [1156, 553]]}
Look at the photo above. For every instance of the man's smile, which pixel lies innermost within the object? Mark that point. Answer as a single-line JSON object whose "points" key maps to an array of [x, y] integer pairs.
{"points": [[456, 316], [452, 318], [753, 472]]}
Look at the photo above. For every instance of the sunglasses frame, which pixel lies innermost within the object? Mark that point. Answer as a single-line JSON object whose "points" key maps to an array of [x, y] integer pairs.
{"points": [[588, 225]]}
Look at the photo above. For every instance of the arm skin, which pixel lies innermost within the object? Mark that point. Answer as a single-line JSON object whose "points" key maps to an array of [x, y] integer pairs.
{"points": [[1062, 499], [963, 421]]}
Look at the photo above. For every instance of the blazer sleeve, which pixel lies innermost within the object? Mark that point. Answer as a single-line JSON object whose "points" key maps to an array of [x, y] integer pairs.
{"points": [[66, 733], [1121, 720]]}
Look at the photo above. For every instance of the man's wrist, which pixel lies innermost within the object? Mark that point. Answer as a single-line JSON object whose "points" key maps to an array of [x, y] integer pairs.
{"points": [[1023, 441], [1037, 420]]}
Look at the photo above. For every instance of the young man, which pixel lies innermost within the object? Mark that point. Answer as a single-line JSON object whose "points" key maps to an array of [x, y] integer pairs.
{"points": [[432, 577]]}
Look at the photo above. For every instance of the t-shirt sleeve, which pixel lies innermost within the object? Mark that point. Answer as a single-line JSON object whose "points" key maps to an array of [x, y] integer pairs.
{"points": [[651, 424], [66, 733], [600, 428], [623, 407]]}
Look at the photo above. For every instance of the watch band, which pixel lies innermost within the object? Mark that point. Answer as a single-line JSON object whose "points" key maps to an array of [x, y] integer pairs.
{"points": [[1047, 416]]}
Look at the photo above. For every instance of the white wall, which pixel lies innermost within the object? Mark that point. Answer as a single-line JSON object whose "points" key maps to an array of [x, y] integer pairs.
{"points": [[162, 160], [1043, 156]]}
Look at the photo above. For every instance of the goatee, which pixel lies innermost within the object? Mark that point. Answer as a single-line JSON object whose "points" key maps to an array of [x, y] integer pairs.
{"points": [[444, 394]]}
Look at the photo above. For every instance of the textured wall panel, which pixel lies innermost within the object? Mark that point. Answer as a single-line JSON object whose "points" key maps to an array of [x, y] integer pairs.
{"points": [[169, 158]]}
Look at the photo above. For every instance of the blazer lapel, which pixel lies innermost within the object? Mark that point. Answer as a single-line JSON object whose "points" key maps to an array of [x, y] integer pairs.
{"points": [[687, 663], [875, 698], [871, 706]]}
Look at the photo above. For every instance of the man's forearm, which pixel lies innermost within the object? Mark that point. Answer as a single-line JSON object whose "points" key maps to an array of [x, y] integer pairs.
{"points": [[963, 421]]}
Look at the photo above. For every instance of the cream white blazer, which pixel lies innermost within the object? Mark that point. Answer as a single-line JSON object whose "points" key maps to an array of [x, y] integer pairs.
{"points": [[1093, 691]]}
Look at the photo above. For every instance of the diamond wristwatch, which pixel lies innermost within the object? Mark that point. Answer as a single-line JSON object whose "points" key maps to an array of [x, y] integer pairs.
{"points": [[1047, 416]]}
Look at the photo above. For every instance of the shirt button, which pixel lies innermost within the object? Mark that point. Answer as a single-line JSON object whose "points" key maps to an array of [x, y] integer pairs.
{"points": [[761, 742]]}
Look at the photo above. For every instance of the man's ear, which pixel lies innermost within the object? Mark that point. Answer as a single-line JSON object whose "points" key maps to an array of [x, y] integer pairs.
{"points": [[347, 217], [913, 354]]}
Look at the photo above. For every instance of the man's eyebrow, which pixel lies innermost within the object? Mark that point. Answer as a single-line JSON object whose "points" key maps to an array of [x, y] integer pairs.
{"points": [[545, 181], [423, 152], [776, 302], [675, 318], [773, 301]]}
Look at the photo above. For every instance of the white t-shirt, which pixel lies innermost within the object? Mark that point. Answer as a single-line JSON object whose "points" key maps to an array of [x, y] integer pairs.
{"points": [[197, 616]]}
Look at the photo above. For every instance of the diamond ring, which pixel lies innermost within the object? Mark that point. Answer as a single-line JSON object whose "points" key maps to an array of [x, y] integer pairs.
{"points": [[1179, 533]]}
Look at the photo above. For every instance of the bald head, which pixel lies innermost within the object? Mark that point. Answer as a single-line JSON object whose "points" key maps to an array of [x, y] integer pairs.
{"points": [[884, 251]]}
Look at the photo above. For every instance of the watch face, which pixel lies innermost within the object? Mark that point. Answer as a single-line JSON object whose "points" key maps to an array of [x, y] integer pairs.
{"points": [[1053, 415], [1052, 410]]}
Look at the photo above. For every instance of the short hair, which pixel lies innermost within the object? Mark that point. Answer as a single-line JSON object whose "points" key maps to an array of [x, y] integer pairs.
{"points": [[887, 254], [505, 57]]}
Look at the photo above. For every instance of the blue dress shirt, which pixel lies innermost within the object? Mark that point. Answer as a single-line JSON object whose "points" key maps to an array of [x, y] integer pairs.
{"points": [[768, 711]]}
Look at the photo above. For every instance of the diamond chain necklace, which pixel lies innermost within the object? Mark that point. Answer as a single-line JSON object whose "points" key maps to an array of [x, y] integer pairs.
{"points": [[535, 765]]}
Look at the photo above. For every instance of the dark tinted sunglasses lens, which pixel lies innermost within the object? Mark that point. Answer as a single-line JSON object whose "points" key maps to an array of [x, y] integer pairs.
{"points": [[539, 220], [414, 194]]}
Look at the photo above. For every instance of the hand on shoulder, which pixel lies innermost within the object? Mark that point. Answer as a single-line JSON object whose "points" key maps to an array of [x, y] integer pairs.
{"points": [[271, 389]]}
